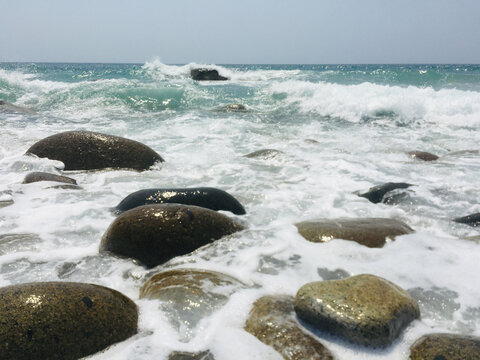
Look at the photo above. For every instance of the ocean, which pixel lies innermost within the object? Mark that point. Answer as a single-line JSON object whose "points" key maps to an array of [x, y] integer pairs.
{"points": [[337, 130]]}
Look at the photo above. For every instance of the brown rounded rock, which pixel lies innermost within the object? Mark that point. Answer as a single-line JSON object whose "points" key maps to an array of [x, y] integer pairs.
{"points": [[154, 234], [364, 309], [371, 232], [59, 320], [272, 322], [43, 176], [445, 347], [423, 155], [85, 150]]}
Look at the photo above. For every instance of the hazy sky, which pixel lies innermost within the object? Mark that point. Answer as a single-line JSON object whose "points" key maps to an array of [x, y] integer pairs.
{"points": [[242, 31]]}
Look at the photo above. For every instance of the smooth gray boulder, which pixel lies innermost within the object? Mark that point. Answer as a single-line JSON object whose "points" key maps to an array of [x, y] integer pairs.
{"points": [[371, 232], [203, 74], [445, 347], [154, 234], [364, 309], [85, 150], [210, 198], [272, 321], [43, 176], [61, 320]]}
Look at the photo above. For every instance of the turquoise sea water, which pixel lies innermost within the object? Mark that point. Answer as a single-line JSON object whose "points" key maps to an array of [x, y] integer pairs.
{"points": [[338, 129]]}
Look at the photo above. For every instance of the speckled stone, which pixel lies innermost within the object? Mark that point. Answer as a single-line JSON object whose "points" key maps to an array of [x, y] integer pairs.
{"points": [[59, 320], [43, 176], [272, 321], [423, 155], [210, 198], [154, 234], [180, 355], [364, 309], [85, 150], [446, 347], [371, 232], [189, 295]]}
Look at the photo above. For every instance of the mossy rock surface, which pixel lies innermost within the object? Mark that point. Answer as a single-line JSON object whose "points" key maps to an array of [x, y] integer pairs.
{"points": [[86, 150], [60, 320], [154, 234], [272, 321], [371, 232], [364, 309], [43, 176], [446, 347]]}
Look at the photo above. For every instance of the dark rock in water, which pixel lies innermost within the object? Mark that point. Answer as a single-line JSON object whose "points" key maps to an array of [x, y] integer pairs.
{"points": [[18, 242], [179, 355], [210, 198], [375, 194], [337, 274], [203, 74], [464, 152], [364, 309], [154, 234], [180, 288], [423, 155], [264, 154], [233, 108], [371, 232], [61, 320], [472, 220], [65, 187], [272, 321], [5, 203], [445, 347], [311, 141], [6, 107], [43, 176], [85, 150]]}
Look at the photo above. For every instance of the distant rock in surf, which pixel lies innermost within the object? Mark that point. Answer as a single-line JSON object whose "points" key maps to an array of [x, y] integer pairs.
{"points": [[43, 176], [62, 320], [181, 355], [154, 234], [376, 194], [6, 107], [203, 74], [445, 347], [423, 155], [472, 219], [233, 108], [210, 198], [85, 150], [264, 154], [272, 321], [371, 232], [363, 309]]}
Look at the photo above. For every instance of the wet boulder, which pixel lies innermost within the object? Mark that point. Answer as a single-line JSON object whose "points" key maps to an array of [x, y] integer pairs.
{"points": [[9, 108], [203, 74], [272, 321], [85, 150], [371, 232], [363, 309], [423, 155], [189, 295], [10, 243], [154, 234], [445, 347], [264, 154], [210, 198], [43, 176], [61, 320], [472, 219], [376, 194], [181, 355]]}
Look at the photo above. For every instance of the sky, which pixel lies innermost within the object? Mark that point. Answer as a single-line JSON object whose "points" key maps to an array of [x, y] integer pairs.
{"points": [[241, 32]]}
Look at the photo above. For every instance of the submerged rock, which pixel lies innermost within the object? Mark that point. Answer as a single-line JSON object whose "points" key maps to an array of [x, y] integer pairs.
{"points": [[203, 74], [272, 321], [5, 203], [375, 194], [7, 107], [210, 198], [18, 242], [423, 155], [364, 309], [85, 150], [189, 295], [60, 320], [180, 355], [264, 154], [446, 347], [233, 108], [154, 234], [371, 232], [43, 176], [472, 219]]}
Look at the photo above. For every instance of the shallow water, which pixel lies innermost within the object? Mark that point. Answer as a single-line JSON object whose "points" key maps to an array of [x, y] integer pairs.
{"points": [[364, 120]]}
